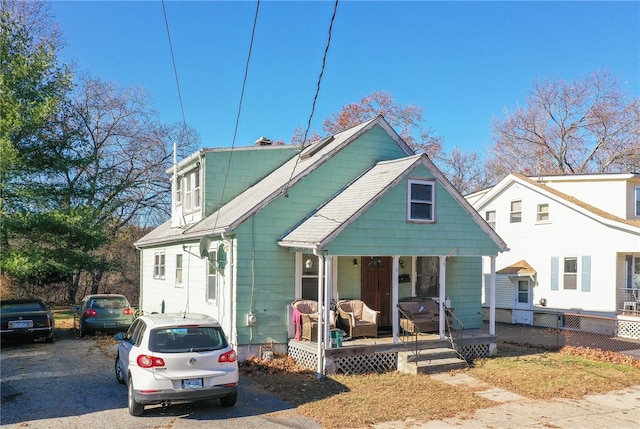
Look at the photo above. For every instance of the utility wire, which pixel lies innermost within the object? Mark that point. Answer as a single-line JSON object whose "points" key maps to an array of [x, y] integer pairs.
{"points": [[173, 60], [235, 131], [315, 98]]}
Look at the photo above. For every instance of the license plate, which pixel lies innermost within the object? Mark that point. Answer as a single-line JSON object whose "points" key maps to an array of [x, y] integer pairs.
{"points": [[192, 383], [20, 324]]}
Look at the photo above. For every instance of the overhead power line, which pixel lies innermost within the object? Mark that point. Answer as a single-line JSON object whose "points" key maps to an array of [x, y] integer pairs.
{"points": [[315, 97]]}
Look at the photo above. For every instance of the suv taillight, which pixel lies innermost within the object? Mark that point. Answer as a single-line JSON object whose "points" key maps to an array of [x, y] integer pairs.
{"points": [[128, 311], [229, 356], [90, 312], [146, 361]]}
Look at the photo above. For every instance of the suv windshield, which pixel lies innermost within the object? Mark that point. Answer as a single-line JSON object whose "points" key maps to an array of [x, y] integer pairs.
{"points": [[187, 339]]}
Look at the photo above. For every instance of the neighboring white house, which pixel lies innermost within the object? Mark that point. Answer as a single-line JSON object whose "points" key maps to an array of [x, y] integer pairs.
{"points": [[574, 244]]}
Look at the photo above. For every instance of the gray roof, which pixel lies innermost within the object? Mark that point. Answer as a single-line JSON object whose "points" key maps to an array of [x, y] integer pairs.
{"points": [[236, 211], [327, 222]]}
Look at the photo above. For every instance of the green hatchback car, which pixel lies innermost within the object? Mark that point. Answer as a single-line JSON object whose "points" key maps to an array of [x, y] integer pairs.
{"points": [[103, 313]]}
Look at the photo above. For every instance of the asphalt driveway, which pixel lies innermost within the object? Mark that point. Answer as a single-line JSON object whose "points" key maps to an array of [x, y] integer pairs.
{"points": [[71, 384]]}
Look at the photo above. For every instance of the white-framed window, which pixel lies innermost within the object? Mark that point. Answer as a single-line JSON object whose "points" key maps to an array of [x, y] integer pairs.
{"points": [[179, 191], [212, 277], [542, 213], [515, 214], [178, 269], [421, 200], [637, 200], [196, 189], [633, 272], [490, 217], [192, 190], [187, 192], [309, 276], [523, 292], [570, 275], [158, 265]]}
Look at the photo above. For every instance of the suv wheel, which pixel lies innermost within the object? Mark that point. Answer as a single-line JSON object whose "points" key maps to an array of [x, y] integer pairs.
{"points": [[229, 401], [135, 408]]}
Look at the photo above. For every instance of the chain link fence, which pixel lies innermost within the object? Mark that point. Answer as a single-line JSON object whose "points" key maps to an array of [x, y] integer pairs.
{"points": [[555, 329]]}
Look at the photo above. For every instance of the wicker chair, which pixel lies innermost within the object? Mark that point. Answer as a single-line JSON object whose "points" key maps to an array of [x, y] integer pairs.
{"points": [[357, 319], [306, 315]]}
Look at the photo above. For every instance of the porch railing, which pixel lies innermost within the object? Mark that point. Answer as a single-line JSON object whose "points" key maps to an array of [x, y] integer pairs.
{"points": [[410, 339], [629, 301]]}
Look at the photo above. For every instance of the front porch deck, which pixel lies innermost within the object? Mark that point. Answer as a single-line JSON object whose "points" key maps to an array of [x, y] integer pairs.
{"points": [[362, 355]]}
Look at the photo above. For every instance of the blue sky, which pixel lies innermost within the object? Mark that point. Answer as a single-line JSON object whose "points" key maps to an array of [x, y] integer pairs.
{"points": [[464, 63]]}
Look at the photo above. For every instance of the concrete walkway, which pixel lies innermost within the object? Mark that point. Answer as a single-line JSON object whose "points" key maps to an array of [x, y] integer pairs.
{"points": [[615, 410]]}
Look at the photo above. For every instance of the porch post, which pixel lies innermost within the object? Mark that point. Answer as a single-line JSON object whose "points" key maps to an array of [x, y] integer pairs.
{"points": [[328, 292], [442, 295], [395, 319], [492, 297], [320, 343]]}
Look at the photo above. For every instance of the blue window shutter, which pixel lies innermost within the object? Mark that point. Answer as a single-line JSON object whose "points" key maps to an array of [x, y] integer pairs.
{"points": [[586, 274], [554, 273], [629, 267]]}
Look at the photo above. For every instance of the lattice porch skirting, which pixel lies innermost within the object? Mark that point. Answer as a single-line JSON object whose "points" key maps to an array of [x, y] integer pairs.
{"points": [[380, 362]]}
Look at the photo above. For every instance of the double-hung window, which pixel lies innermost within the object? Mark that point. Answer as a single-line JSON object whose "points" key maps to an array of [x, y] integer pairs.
{"points": [[178, 269], [158, 265], [542, 214], [192, 190], [570, 273], [637, 200], [515, 216], [490, 217], [421, 201]]}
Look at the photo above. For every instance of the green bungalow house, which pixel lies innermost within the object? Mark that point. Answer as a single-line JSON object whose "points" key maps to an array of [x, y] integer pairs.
{"points": [[356, 215]]}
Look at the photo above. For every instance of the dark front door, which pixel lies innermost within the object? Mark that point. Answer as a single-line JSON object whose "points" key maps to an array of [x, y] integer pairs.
{"points": [[376, 286]]}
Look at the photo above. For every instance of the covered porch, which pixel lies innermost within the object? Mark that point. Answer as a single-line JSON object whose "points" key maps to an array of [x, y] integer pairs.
{"points": [[382, 354]]}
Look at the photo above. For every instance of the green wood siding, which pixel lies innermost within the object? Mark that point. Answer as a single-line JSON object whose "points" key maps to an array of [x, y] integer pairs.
{"points": [[383, 229], [248, 166], [348, 278], [464, 289], [274, 283]]}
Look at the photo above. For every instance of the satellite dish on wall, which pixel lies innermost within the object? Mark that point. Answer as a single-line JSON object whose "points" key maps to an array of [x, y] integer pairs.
{"points": [[205, 242]]}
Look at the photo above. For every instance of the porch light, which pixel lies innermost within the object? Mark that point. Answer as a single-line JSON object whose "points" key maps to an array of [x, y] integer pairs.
{"points": [[401, 262], [355, 262], [308, 264]]}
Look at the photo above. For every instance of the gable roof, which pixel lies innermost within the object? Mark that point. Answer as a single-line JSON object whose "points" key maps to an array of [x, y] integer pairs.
{"points": [[275, 184], [520, 268], [578, 205], [323, 225]]}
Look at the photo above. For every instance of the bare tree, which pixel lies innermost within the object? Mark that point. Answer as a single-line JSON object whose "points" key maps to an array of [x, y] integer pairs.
{"points": [[406, 120], [584, 126], [465, 171]]}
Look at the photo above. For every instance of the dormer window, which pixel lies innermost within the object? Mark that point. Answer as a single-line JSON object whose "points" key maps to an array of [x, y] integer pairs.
{"points": [[179, 191], [421, 200], [191, 199]]}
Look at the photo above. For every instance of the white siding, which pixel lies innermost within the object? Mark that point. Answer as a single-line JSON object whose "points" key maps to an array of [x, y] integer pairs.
{"points": [[190, 295], [608, 195], [567, 234]]}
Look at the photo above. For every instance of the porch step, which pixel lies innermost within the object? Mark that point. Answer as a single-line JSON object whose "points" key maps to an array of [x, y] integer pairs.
{"points": [[430, 361]]}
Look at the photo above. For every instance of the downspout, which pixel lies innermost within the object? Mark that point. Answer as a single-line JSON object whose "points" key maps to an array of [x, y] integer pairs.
{"points": [[441, 296], [321, 287]]}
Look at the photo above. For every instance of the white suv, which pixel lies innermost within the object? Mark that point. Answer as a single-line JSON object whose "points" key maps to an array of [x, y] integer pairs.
{"points": [[166, 358]]}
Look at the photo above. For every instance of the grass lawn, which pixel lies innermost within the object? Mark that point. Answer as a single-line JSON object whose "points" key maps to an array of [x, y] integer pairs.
{"points": [[355, 401]]}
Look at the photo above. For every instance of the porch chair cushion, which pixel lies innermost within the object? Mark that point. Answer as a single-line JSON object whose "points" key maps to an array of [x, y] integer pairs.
{"points": [[419, 316], [357, 319], [305, 318]]}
